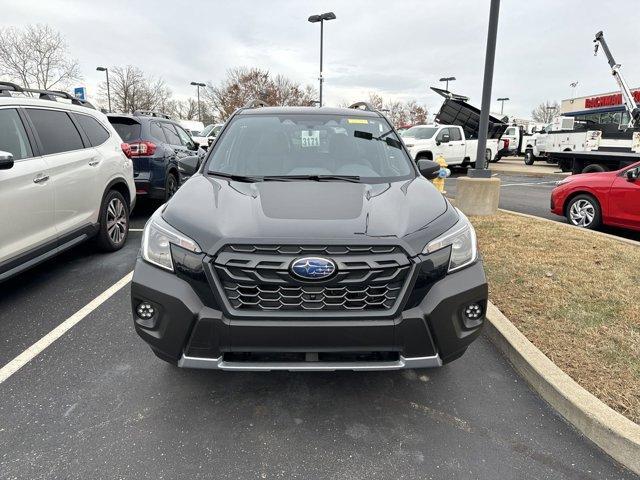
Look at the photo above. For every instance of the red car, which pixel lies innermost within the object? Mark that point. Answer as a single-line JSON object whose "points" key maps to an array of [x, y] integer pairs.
{"points": [[589, 200]]}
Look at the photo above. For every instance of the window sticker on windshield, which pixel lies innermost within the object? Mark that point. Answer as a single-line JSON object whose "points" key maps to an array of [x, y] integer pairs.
{"points": [[357, 120], [310, 138]]}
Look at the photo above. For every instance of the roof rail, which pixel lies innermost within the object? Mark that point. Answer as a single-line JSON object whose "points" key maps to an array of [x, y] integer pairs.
{"points": [[7, 87], [255, 103], [363, 106], [150, 113]]}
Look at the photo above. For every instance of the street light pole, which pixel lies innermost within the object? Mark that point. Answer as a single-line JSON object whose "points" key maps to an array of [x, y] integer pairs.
{"points": [[106, 70], [503, 99], [479, 171], [198, 85], [447, 80], [315, 19]]}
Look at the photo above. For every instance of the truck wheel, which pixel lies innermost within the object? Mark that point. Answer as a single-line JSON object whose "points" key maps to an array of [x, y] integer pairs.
{"points": [[529, 158], [584, 211], [593, 168], [487, 157]]}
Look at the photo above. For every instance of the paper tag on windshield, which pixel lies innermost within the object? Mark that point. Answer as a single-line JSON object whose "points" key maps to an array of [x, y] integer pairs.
{"points": [[310, 138]]}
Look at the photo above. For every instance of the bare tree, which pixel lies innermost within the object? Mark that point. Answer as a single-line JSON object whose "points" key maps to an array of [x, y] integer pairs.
{"points": [[243, 84], [546, 112], [416, 114], [37, 57], [131, 90], [186, 109], [399, 113]]}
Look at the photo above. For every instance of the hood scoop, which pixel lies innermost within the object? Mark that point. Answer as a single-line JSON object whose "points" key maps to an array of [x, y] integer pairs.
{"points": [[312, 200]]}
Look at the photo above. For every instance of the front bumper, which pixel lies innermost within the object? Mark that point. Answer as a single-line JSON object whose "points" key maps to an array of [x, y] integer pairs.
{"points": [[557, 200], [190, 334]]}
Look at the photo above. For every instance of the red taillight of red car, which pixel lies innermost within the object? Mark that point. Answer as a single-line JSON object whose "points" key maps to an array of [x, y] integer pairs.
{"points": [[126, 149], [142, 149]]}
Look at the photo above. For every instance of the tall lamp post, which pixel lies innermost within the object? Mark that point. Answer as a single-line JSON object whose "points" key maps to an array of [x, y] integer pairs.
{"points": [[315, 19], [503, 99], [447, 80], [198, 85], [106, 70], [479, 192], [490, 56]]}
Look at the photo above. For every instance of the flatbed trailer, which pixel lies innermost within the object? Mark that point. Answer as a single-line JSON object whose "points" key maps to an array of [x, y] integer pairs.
{"points": [[593, 161]]}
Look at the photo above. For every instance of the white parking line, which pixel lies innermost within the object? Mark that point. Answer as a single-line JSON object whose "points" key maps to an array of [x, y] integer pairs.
{"points": [[30, 353], [527, 184], [136, 229]]}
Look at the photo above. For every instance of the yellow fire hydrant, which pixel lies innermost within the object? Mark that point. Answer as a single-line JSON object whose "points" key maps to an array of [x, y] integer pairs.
{"points": [[444, 173]]}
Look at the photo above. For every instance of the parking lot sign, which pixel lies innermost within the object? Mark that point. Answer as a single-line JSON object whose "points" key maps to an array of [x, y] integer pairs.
{"points": [[80, 92]]}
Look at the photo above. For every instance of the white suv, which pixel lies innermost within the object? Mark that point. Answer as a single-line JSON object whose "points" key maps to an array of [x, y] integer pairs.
{"points": [[64, 178]]}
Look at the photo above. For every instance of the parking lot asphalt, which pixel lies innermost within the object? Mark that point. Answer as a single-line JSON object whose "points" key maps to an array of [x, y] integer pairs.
{"points": [[531, 195], [98, 404]]}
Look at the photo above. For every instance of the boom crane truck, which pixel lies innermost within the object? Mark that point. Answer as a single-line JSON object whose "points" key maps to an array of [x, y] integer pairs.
{"points": [[627, 97], [600, 160]]}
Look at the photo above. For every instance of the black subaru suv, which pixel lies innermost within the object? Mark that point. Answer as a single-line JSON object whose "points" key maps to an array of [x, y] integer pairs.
{"points": [[309, 240], [157, 144]]}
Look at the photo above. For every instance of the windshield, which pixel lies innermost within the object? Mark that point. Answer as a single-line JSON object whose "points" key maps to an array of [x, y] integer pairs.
{"points": [[310, 145], [207, 130], [421, 133]]}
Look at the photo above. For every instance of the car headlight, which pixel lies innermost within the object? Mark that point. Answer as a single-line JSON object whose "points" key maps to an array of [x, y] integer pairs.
{"points": [[157, 238], [462, 239], [563, 181]]}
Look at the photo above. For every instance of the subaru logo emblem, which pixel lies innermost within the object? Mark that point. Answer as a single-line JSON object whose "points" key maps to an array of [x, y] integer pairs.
{"points": [[313, 268]]}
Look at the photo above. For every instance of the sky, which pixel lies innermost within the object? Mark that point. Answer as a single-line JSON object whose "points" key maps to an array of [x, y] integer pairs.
{"points": [[397, 49]]}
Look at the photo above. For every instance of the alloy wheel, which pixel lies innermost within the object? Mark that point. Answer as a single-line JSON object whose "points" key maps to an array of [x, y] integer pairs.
{"points": [[582, 213], [116, 221], [172, 186]]}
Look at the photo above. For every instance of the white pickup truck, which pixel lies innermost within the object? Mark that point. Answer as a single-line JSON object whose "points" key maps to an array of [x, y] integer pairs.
{"points": [[429, 141], [564, 135]]}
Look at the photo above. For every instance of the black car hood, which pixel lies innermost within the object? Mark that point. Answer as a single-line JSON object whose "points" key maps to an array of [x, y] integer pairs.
{"points": [[214, 211]]}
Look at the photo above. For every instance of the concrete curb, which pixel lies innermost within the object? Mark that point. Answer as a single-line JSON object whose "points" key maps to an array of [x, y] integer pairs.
{"points": [[612, 432], [566, 225], [520, 168], [526, 173]]}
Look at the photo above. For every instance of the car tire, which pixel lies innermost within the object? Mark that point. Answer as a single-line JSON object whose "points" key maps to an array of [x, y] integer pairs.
{"points": [[529, 158], [487, 156], [594, 168], [170, 186], [584, 211], [114, 222]]}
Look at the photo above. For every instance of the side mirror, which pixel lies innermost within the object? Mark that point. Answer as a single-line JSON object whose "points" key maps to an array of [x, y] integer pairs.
{"points": [[428, 168], [188, 166], [6, 160], [633, 174]]}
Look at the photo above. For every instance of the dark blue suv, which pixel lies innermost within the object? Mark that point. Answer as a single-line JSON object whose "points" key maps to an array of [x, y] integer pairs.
{"points": [[157, 143]]}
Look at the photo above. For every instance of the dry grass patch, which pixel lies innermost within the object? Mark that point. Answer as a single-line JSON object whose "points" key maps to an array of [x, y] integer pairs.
{"points": [[576, 296]]}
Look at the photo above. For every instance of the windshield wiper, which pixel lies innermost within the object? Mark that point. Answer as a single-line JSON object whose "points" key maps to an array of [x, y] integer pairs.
{"points": [[313, 178], [237, 178]]}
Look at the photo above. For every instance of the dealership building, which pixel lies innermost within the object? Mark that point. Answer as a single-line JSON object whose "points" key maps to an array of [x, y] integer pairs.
{"points": [[603, 108]]}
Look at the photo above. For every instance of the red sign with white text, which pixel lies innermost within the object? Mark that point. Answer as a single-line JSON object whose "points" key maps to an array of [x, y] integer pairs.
{"points": [[608, 100]]}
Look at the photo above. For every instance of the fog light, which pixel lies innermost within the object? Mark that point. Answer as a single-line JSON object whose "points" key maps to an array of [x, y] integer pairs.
{"points": [[473, 311], [145, 311]]}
